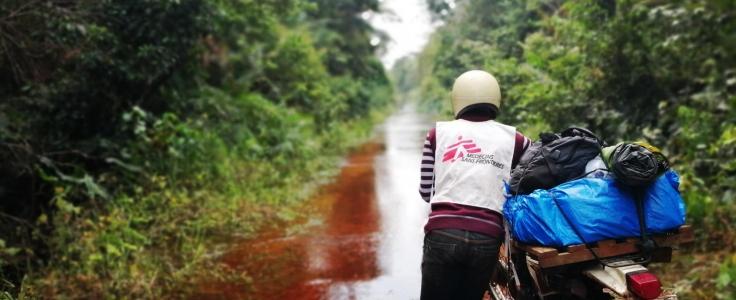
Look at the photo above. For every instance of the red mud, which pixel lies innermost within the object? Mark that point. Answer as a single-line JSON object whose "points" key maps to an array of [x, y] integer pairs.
{"points": [[307, 265]]}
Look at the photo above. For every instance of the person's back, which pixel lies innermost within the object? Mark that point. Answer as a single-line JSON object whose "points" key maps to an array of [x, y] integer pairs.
{"points": [[465, 164]]}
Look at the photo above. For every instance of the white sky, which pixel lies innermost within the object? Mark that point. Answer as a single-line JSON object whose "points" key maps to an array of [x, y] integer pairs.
{"points": [[407, 22]]}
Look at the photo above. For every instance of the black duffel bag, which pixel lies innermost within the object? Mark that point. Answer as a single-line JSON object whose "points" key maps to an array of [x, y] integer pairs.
{"points": [[554, 159]]}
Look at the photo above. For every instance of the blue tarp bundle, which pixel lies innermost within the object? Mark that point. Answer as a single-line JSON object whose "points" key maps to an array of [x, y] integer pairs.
{"points": [[598, 208]]}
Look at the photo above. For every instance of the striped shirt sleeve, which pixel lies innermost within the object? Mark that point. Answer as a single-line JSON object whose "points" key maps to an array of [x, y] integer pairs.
{"points": [[520, 146], [426, 182]]}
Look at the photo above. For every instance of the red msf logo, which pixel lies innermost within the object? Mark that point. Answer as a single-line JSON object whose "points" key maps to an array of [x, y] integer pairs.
{"points": [[460, 149]]}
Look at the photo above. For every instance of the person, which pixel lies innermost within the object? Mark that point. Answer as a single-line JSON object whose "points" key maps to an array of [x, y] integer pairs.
{"points": [[465, 163]]}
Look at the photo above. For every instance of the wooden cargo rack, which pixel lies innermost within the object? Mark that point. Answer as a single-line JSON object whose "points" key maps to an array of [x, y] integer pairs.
{"points": [[551, 257]]}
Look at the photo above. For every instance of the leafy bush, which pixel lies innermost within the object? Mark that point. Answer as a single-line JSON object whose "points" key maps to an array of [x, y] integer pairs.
{"points": [[134, 131], [660, 71]]}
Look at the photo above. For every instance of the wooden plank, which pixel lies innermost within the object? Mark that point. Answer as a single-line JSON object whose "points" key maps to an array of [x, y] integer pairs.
{"points": [[537, 251], [616, 249], [685, 235], [565, 258], [576, 248], [542, 252], [585, 254], [550, 257]]}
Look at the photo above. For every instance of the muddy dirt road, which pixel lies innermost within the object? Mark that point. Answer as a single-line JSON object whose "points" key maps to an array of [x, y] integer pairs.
{"points": [[367, 242]]}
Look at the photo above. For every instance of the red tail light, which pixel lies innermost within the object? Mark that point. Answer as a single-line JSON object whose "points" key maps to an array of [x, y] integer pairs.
{"points": [[644, 285]]}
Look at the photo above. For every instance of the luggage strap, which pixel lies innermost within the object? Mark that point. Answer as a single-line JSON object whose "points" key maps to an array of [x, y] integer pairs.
{"points": [[642, 228], [646, 243]]}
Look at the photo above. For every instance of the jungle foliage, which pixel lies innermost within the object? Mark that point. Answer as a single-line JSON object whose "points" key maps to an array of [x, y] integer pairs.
{"points": [[662, 71], [132, 132]]}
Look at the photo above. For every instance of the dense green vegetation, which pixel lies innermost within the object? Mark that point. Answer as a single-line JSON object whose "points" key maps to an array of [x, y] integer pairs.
{"points": [[133, 133], [663, 71]]}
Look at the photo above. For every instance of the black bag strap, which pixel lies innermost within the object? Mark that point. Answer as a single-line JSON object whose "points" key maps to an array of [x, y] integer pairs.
{"points": [[646, 243]]}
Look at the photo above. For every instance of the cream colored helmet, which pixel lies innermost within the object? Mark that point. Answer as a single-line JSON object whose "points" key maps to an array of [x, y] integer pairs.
{"points": [[475, 87]]}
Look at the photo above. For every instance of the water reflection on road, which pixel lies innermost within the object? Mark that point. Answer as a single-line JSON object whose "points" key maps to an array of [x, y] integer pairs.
{"points": [[369, 244], [403, 213]]}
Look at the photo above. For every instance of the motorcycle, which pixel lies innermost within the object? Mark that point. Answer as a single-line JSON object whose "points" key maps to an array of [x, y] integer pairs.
{"points": [[609, 269]]}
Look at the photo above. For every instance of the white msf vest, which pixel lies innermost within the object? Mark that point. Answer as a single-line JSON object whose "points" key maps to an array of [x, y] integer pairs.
{"points": [[472, 162]]}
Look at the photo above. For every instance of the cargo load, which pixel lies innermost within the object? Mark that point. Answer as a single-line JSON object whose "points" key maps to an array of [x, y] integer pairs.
{"points": [[588, 210]]}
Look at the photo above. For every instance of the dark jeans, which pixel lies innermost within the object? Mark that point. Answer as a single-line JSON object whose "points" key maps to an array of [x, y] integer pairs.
{"points": [[457, 264]]}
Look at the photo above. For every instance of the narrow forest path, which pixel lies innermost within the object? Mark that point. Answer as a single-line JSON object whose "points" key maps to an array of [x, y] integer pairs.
{"points": [[369, 240]]}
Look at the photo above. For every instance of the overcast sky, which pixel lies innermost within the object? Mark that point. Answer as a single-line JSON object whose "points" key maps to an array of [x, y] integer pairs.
{"points": [[409, 25]]}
